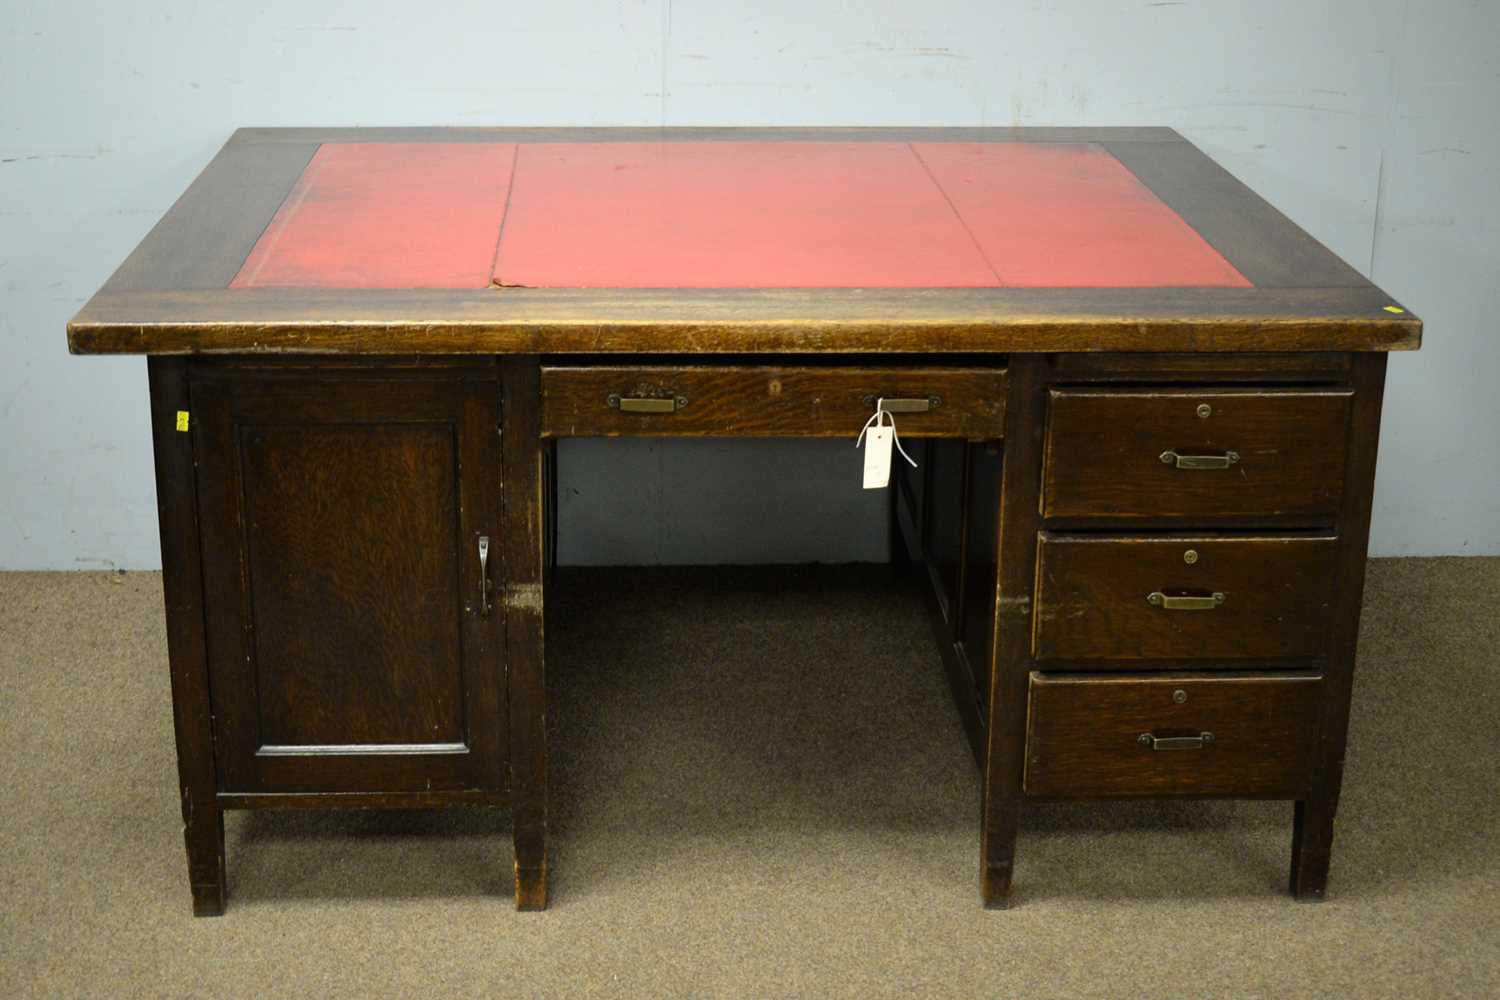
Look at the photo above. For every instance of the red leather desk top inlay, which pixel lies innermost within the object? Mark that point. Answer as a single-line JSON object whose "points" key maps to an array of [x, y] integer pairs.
{"points": [[387, 215], [726, 215]]}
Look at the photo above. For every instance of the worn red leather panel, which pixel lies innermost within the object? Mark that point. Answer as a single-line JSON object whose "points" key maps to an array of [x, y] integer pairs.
{"points": [[732, 215], [726, 215], [387, 215], [1070, 215]]}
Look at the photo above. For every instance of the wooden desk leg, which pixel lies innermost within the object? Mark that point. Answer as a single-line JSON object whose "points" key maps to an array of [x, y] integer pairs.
{"points": [[1312, 825], [1005, 730], [523, 554], [182, 586]]}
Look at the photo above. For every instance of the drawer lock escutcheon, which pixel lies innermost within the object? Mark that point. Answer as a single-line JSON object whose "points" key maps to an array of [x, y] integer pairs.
{"points": [[1185, 602], [1223, 461], [646, 404], [1155, 742]]}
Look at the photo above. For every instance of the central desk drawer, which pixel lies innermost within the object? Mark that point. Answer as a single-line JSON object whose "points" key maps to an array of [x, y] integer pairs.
{"points": [[1196, 454], [1129, 601], [1103, 736], [769, 401]]}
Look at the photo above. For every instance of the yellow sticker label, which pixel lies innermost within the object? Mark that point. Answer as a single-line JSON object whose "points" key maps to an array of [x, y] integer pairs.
{"points": [[1395, 309], [182, 420]]}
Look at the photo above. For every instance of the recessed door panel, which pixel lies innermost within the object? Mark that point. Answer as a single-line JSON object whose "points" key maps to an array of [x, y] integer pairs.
{"points": [[352, 642]]}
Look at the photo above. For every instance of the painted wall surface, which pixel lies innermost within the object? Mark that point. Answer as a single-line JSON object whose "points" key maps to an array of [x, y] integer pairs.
{"points": [[1372, 123]]}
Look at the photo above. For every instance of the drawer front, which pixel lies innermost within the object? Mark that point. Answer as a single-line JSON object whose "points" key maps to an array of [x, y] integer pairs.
{"points": [[1130, 601], [738, 401], [1101, 737], [1207, 454]]}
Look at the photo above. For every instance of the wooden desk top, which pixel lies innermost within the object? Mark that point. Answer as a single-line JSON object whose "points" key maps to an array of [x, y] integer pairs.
{"points": [[441, 241]]}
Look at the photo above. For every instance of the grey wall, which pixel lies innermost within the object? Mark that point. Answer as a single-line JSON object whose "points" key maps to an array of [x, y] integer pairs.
{"points": [[1373, 123]]}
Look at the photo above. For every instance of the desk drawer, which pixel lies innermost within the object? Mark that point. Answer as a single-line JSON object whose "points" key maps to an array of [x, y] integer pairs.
{"points": [[1101, 737], [1131, 601], [1205, 454], [743, 401]]}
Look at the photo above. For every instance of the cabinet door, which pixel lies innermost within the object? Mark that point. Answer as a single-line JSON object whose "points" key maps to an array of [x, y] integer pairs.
{"points": [[352, 645]]}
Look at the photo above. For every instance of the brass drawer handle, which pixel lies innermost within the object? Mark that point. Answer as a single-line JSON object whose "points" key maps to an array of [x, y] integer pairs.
{"points": [[646, 404], [1185, 602], [1223, 461], [1155, 742], [923, 404]]}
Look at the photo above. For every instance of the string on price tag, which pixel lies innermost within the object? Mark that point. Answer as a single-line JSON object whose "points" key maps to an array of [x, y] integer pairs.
{"points": [[881, 436]]}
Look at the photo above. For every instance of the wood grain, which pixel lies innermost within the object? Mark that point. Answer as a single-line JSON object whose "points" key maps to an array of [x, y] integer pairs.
{"points": [[353, 625], [1083, 736], [523, 557], [1104, 451], [1312, 838], [738, 321], [770, 401], [1311, 368], [187, 650], [1264, 245], [348, 648], [981, 545], [1005, 713], [207, 234], [1092, 607]]}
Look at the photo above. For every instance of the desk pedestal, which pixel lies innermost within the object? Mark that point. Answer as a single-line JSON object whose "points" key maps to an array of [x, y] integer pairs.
{"points": [[1144, 570]]}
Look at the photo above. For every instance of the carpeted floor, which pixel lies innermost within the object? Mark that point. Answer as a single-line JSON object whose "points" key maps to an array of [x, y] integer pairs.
{"points": [[760, 789]]}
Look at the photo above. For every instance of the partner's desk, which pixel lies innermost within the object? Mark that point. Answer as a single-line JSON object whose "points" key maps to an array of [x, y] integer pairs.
{"points": [[1148, 406]]}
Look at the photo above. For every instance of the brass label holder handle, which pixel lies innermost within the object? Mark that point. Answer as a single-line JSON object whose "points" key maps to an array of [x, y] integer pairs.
{"points": [[913, 404], [1185, 602], [1181, 461], [1153, 742], [646, 404]]}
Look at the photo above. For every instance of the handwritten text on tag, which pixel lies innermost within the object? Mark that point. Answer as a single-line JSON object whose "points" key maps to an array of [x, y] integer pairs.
{"points": [[878, 442]]}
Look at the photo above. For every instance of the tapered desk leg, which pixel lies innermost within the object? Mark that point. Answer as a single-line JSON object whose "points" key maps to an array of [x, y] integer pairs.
{"points": [[1312, 825], [204, 837], [523, 552], [1312, 847], [1005, 734], [182, 586]]}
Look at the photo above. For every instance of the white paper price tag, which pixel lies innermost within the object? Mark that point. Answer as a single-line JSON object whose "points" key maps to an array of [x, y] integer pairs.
{"points": [[878, 442], [881, 437]]}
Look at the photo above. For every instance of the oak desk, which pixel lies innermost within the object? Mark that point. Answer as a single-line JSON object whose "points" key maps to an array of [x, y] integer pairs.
{"points": [[1148, 407]]}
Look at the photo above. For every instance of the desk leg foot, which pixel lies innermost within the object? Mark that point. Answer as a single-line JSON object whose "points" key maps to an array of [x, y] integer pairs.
{"points": [[208, 900], [1312, 847], [998, 851], [994, 887], [204, 837], [531, 887]]}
